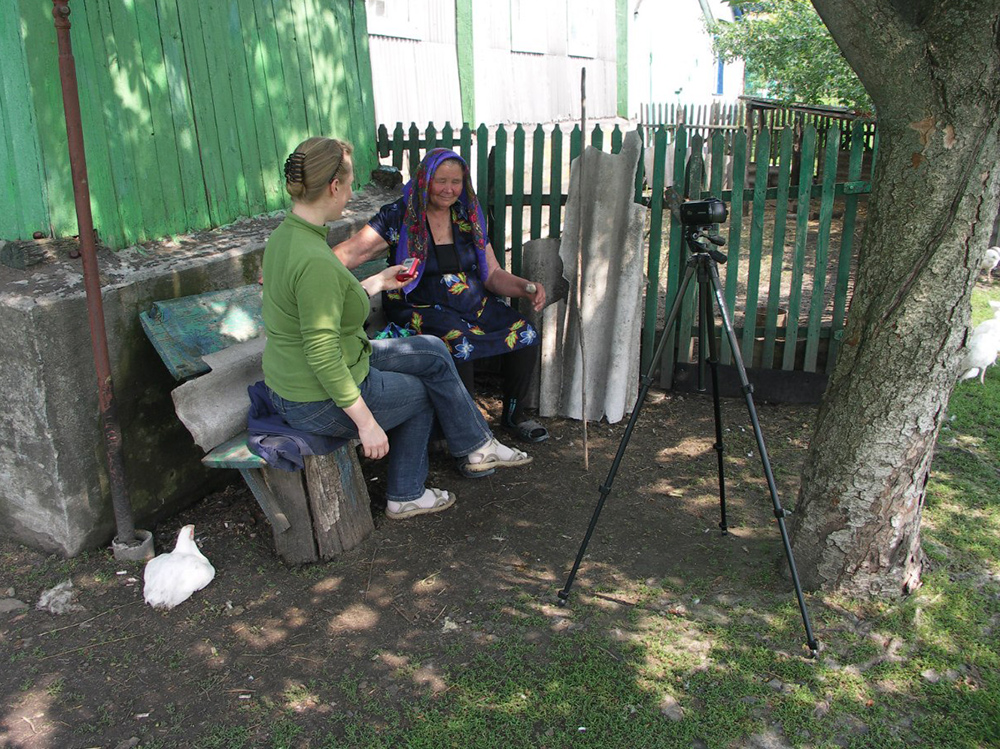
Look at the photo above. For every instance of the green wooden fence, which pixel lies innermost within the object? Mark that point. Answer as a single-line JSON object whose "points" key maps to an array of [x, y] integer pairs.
{"points": [[189, 109], [788, 277]]}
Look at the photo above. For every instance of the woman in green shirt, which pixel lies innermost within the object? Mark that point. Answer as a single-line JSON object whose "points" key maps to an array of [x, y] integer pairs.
{"points": [[326, 377]]}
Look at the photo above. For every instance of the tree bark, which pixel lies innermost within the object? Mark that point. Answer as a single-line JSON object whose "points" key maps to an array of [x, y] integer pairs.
{"points": [[933, 72]]}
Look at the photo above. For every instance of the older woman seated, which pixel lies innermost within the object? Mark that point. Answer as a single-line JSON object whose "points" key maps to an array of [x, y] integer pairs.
{"points": [[456, 292]]}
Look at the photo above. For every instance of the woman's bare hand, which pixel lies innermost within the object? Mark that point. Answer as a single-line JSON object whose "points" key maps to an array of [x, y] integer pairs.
{"points": [[384, 281], [374, 441], [536, 293], [390, 282]]}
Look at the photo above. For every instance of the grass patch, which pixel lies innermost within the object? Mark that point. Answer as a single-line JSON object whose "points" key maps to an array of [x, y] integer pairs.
{"points": [[921, 672]]}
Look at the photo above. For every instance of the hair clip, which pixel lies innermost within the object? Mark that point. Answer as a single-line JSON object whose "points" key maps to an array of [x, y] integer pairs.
{"points": [[295, 167], [337, 168]]}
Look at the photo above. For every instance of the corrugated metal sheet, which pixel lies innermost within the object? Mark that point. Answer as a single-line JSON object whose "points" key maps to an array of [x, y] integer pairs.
{"points": [[417, 80], [441, 21], [414, 81], [524, 87]]}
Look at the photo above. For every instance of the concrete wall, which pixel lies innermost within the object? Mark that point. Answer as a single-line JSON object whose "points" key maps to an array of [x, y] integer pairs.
{"points": [[54, 491]]}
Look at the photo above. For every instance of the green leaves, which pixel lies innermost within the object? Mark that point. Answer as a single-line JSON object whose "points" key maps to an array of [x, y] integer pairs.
{"points": [[789, 54]]}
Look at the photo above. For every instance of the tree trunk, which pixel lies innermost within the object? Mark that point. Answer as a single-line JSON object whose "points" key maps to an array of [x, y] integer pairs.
{"points": [[934, 76]]}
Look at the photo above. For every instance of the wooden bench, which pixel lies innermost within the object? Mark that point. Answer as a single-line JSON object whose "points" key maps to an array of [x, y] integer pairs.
{"points": [[315, 513]]}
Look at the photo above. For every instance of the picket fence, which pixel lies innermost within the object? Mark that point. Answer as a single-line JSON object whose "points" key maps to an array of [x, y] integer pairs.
{"points": [[754, 115], [787, 288]]}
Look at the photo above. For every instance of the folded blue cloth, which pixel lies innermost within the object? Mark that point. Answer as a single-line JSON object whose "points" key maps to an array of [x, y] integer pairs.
{"points": [[272, 438]]}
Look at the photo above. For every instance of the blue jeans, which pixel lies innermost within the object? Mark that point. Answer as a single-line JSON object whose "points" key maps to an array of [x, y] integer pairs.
{"points": [[410, 381]]}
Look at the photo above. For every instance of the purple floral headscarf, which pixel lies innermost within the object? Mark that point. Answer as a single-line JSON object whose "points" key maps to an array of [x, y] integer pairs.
{"points": [[466, 215]]}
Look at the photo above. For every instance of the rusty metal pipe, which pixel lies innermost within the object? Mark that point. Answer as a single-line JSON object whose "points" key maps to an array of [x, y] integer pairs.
{"points": [[91, 279]]}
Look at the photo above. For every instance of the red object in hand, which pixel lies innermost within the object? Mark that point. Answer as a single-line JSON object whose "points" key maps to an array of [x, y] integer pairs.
{"points": [[409, 269]]}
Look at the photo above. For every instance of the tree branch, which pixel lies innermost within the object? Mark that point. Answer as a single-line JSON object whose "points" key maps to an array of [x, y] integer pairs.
{"points": [[858, 26]]}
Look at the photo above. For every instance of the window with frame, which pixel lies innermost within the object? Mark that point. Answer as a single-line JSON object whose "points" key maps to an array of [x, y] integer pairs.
{"points": [[581, 25], [529, 26], [405, 19]]}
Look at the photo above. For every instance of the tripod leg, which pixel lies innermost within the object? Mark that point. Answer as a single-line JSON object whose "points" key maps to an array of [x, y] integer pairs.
{"points": [[779, 512], [712, 358], [703, 329], [647, 381]]}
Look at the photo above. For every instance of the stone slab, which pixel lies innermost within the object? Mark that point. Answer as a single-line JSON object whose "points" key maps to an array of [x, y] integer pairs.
{"points": [[214, 406], [603, 220]]}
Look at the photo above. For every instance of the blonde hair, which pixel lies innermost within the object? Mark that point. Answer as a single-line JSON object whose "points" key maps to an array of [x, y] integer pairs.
{"points": [[313, 165]]}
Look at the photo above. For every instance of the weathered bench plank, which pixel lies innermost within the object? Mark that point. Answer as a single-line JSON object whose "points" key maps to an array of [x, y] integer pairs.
{"points": [[316, 514], [185, 329], [234, 453]]}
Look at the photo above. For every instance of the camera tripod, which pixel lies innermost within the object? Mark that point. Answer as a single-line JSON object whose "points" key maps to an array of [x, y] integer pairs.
{"points": [[704, 262]]}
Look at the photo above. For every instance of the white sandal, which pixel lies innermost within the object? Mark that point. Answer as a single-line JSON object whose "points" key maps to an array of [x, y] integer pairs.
{"points": [[487, 458], [439, 500]]}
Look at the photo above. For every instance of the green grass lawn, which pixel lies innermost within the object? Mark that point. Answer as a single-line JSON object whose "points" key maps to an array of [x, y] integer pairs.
{"points": [[923, 672]]}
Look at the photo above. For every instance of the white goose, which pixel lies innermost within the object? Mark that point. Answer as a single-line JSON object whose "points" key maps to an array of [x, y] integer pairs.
{"points": [[990, 261], [171, 578], [982, 347]]}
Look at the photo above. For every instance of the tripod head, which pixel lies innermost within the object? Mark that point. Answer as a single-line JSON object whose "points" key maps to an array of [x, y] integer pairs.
{"points": [[698, 219]]}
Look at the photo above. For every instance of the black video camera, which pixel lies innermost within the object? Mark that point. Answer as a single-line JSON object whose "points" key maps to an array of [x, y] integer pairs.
{"points": [[703, 212]]}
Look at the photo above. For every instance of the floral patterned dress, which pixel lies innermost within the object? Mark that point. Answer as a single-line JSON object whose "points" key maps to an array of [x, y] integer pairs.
{"points": [[450, 301]]}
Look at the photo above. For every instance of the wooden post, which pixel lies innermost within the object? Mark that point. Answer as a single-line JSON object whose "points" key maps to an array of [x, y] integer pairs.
{"points": [[316, 513], [397, 146]]}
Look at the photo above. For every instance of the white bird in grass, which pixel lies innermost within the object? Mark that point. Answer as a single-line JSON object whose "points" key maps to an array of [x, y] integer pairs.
{"points": [[171, 578], [982, 348], [990, 261]]}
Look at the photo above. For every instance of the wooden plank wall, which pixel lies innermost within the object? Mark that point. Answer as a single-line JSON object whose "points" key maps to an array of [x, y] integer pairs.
{"points": [[189, 109], [22, 188]]}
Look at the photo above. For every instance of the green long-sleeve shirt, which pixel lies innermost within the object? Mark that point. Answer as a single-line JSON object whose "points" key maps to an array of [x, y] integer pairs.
{"points": [[314, 312]]}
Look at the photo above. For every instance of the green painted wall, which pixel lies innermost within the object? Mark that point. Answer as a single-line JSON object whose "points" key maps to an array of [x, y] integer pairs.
{"points": [[189, 109], [466, 58], [621, 28], [22, 186]]}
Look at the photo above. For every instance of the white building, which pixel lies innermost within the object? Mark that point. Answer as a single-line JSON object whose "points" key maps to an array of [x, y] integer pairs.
{"points": [[506, 61], [670, 55]]}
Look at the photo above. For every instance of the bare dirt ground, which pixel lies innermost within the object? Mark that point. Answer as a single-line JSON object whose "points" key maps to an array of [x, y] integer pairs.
{"points": [[265, 646]]}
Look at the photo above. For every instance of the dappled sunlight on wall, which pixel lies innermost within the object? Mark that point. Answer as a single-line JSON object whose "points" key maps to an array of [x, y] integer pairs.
{"points": [[188, 109]]}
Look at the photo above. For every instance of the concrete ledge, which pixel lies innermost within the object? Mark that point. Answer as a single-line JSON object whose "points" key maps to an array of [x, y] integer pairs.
{"points": [[54, 492]]}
